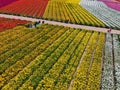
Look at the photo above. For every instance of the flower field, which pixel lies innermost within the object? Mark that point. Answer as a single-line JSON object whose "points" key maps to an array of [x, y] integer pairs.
{"points": [[26, 8], [10, 23], [47, 58], [46, 53], [61, 11], [56, 57], [107, 15], [89, 71]]}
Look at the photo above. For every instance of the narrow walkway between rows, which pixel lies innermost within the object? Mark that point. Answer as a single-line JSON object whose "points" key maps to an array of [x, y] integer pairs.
{"points": [[105, 30]]}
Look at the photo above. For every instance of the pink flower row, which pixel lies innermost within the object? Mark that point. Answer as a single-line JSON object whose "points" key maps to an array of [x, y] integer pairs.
{"points": [[6, 2], [112, 4]]}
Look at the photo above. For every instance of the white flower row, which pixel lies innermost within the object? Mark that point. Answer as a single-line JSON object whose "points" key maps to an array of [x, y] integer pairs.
{"points": [[107, 82], [117, 60], [107, 15]]}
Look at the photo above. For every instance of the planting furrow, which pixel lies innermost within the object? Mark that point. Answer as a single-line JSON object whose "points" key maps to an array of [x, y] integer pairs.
{"points": [[91, 63], [94, 77], [66, 76], [82, 47], [82, 71]]}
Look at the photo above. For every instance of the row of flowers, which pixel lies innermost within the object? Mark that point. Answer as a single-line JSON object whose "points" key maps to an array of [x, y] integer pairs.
{"points": [[51, 79], [107, 74], [107, 15], [37, 38], [112, 4], [65, 79], [26, 8], [82, 74], [16, 50], [12, 48], [35, 64], [9, 23], [12, 35], [116, 42], [3, 3], [72, 13], [68, 1], [94, 77]]}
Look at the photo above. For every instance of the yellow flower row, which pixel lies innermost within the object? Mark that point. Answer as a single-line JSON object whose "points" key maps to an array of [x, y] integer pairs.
{"points": [[34, 64], [57, 63], [67, 1], [14, 69], [67, 75], [80, 79], [95, 71], [73, 13], [51, 77], [49, 58], [16, 50]]}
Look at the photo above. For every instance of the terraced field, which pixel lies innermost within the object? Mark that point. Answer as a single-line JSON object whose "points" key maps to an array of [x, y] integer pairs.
{"points": [[48, 58]]}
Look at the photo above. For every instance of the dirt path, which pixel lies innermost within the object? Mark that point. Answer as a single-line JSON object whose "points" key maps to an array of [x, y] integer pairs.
{"points": [[62, 24]]}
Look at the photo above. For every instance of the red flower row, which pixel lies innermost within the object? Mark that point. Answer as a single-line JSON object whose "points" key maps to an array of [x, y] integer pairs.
{"points": [[9, 23], [34, 8]]}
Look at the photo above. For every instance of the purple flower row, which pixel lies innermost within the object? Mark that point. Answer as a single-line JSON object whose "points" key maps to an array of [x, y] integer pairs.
{"points": [[5, 2], [112, 4]]}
